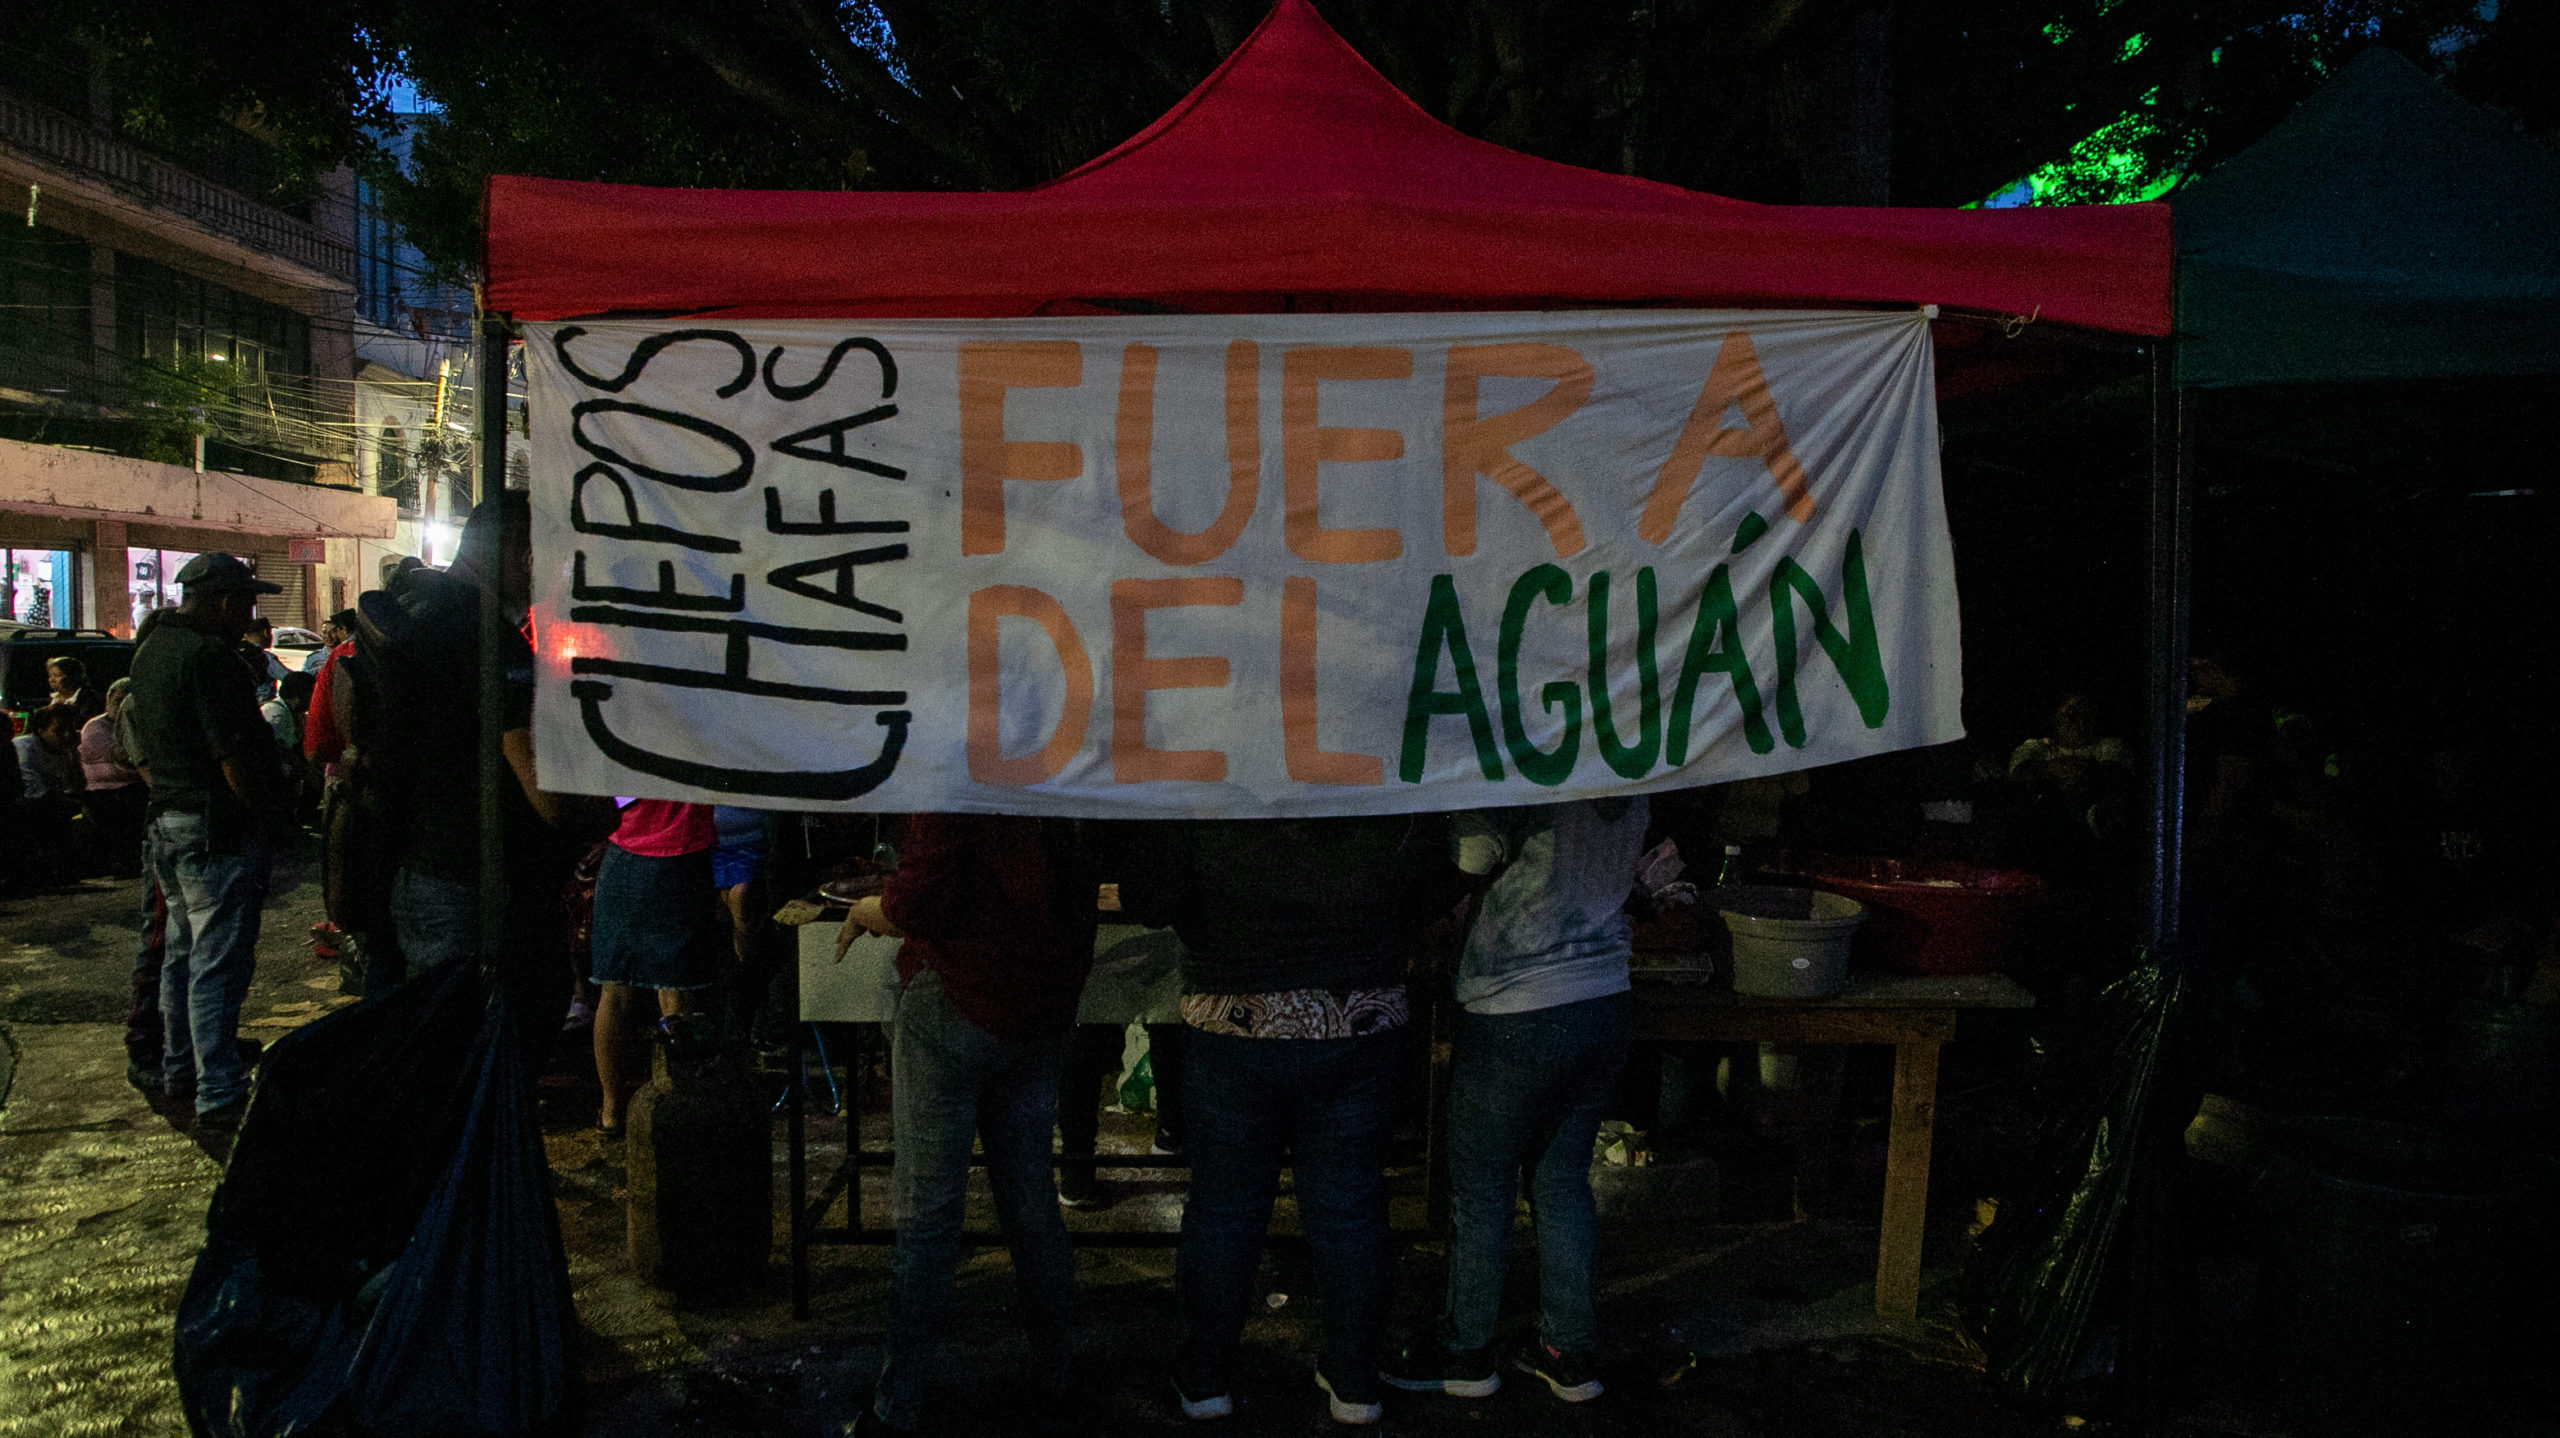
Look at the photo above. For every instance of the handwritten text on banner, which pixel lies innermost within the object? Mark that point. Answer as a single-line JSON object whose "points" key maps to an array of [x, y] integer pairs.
{"points": [[1234, 565]]}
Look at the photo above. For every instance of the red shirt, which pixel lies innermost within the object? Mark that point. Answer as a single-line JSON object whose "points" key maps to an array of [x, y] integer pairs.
{"points": [[321, 741], [1004, 919], [665, 829]]}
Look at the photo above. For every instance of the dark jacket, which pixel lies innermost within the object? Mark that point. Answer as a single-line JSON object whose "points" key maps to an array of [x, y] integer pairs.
{"points": [[197, 705], [1001, 907], [428, 757], [1266, 905]]}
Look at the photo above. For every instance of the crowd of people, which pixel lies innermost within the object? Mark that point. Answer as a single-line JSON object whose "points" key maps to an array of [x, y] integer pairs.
{"points": [[1295, 933], [1296, 938], [625, 917]]}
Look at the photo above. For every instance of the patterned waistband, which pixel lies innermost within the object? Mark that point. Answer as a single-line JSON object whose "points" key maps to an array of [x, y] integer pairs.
{"points": [[1298, 1013]]}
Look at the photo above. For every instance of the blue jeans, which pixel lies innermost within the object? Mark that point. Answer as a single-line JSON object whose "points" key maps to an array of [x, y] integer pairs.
{"points": [[215, 904], [1330, 1104], [951, 1081], [437, 920], [1525, 1094]]}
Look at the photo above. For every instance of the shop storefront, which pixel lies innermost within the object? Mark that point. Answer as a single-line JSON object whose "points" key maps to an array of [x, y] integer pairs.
{"points": [[91, 541], [151, 578], [79, 582], [44, 587]]}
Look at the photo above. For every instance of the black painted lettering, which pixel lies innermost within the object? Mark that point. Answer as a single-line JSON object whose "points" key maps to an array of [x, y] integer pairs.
{"points": [[634, 529], [794, 579], [732, 676], [723, 483], [648, 349], [826, 522], [798, 444], [836, 784], [797, 392], [665, 596]]}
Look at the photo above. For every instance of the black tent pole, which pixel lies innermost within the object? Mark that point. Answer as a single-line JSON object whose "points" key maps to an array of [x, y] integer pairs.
{"points": [[493, 631], [2172, 546]]}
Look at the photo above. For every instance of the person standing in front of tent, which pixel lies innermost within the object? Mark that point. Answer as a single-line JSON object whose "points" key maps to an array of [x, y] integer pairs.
{"points": [[1297, 933], [998, 916], [1543, 1034]]}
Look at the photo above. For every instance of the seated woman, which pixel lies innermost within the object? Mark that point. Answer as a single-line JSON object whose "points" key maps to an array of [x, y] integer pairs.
{"points": [[2071, 756], [2073, 798], [115, 794], [49, 773]]}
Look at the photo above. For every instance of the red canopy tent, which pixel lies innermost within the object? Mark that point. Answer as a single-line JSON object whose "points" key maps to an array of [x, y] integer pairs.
{"points": [[1296, 176]]}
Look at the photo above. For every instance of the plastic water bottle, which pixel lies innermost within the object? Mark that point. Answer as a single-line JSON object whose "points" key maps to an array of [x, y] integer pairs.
{"points": [[1730, 872]]}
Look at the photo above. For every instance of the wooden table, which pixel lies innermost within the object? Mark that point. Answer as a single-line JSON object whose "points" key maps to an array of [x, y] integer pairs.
{"points": [[1913, 1013]]}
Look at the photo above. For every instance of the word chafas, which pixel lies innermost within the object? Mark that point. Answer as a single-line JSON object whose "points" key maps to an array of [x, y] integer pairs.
{"points": [[826, 567]]}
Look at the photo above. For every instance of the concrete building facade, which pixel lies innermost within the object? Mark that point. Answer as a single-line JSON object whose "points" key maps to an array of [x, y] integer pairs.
{"points": [[186, 365]]}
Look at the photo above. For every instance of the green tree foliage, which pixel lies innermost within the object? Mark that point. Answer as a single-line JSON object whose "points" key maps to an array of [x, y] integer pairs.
{"points": [[304, 74], [1772, 100], [175, 404], [2110, 97]]}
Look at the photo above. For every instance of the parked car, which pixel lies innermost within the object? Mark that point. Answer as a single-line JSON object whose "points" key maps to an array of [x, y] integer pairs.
{"points": [[294, 647], [24, 651]]}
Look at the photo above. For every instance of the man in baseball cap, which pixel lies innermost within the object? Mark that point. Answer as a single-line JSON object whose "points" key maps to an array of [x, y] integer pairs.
{"points": [[216, 803], [211, 574]]}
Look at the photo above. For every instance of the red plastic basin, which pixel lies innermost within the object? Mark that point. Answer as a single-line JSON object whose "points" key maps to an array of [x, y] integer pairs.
{"points": [[1932, 918]]}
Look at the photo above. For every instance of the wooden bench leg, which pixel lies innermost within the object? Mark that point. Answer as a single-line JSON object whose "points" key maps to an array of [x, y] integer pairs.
{"points": [[1906, 1177]]}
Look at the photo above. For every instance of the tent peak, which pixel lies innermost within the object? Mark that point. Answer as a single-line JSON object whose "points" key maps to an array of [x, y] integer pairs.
{"points": [[1294, 109], [1296, 174]]}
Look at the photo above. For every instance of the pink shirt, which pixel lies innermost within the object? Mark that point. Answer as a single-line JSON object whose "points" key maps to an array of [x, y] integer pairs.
{"points": [[100, 764], [664, 829]]}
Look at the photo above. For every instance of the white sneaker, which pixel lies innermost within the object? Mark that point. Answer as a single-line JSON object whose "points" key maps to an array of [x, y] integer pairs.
{"points": [[1346, 1411], [1201, 1410]]}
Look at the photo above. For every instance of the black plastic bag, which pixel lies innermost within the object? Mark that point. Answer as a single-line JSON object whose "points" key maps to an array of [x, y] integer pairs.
{"points": [[383, 1256], [2075, 1291]]}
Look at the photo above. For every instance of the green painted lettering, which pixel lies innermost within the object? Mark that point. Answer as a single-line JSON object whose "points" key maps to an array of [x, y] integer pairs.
{"points": [[1753, 526], [1538, 766], [1715, 647], [1630, 761], [1855, 655], [1443, 626]]}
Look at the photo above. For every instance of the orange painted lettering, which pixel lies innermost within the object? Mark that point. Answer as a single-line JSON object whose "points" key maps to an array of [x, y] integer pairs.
{"points": [[1305, 446], [1733, 382], [987, 458], [1136, 447], [1472, 444], [1308, 762], [988, 609], [1135, 674]]}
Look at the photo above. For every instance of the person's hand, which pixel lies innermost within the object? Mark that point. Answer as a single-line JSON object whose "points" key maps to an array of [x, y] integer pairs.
{"points": [[864, 917]]}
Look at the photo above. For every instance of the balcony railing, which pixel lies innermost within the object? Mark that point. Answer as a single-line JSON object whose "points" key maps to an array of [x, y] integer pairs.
{"points": [[82, 148]]}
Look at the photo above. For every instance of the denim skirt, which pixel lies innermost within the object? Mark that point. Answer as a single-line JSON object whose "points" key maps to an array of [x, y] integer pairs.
{"points": [[658, 923]]}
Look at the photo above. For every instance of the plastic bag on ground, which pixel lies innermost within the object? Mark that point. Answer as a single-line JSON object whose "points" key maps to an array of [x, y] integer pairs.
{"points": [[2074, 1289], [383, 1256]]}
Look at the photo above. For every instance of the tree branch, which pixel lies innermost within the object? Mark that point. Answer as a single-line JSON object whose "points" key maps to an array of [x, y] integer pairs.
{"points": [[917, 118]]}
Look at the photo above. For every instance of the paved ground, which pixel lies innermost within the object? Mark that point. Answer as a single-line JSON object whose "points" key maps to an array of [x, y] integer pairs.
{"points": [[102, 1202]]}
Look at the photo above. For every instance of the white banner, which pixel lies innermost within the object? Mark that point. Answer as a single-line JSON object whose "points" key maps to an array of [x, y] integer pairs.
{"points": [[1234, 565]]}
